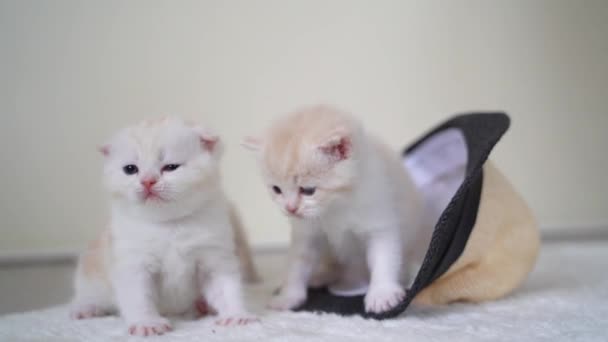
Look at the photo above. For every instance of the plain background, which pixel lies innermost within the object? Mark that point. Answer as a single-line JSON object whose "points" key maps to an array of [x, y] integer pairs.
{"points": [[72, 72]]}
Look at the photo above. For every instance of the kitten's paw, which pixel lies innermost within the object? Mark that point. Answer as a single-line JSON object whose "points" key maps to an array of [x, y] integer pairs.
{"points": [[150, 327], [383, 298], [202, 308], [287, 300], [232, 320], [86, 311]]}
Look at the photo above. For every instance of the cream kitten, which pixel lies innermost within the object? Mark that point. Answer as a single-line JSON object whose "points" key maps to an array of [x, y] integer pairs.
{"points": [[347, 196], [172, 235]]}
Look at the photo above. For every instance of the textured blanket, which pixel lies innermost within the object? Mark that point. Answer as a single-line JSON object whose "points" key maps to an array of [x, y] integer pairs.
{"points": [[565, 299]]}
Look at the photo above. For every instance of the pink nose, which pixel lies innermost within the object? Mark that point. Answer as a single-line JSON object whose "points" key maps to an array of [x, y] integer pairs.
{"points": [[291, 208], [148, 183]]}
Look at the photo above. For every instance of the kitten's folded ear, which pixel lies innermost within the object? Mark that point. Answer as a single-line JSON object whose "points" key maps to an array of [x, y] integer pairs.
{"points": [[210, 141], [252, 143], [338, 147]]}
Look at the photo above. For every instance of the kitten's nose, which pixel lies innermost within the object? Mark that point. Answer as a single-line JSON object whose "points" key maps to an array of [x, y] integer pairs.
{"points": [[291, 208], [148, 182]]}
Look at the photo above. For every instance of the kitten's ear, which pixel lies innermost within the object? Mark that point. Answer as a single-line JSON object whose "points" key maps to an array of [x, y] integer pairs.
{"points": [[209, 140], [252, 143], [338, 147], [104, 150]]}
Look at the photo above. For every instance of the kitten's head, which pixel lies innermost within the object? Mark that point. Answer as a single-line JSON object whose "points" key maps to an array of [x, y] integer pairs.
{"points": [[309, 160], [161, 168]]}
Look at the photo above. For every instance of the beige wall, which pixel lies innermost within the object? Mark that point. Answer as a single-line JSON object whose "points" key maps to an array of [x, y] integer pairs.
{"points": [[74, 71]]}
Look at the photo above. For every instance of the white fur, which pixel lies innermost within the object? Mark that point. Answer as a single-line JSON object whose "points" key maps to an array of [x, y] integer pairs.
{"points": [[362, 234], [165, 254]]}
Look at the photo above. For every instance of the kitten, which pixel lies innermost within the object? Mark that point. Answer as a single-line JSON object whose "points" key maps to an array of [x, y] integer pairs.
{"points": [[348, 197], [170, 248]]}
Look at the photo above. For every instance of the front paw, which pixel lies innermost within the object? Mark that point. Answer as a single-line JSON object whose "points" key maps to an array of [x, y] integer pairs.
{"points": [[383, 297], [150, 327], [238, 319], [202, 308], [287, 300]]}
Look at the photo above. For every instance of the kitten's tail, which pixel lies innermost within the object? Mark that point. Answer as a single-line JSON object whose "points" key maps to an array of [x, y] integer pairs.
{"points": [[243, 250]]}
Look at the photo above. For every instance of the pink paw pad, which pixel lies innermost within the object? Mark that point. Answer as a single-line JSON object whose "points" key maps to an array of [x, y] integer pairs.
{"points": [[202, 308], [151, 330], [228, 321]]}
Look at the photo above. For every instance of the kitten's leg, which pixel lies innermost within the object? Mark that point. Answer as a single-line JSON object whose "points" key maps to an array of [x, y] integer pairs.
{"points": [[136, 297], [384, 257], [93, 293], [93, 297], [224, 293], [304, 256]]}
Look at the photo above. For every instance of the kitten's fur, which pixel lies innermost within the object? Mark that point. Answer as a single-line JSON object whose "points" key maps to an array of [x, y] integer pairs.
{"points": [[164, 252], [364, 211]]}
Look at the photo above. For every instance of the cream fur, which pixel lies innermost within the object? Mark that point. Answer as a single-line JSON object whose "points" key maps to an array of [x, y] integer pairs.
{"points": [[358, 224], [170, 254]]}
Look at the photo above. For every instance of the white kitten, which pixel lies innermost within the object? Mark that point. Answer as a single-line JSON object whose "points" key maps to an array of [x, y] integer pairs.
{"points": [[347, 196], [170, 248]]}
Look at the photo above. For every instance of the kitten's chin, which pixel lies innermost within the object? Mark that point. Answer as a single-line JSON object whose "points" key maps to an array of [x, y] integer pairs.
{"points": [[302, 216], [158, 210], [296, 216], [151, 198]]}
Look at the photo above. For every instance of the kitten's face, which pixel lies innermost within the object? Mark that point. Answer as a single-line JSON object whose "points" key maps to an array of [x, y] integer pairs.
{"points": [[307, 161], [159, 165], [309, 188]]}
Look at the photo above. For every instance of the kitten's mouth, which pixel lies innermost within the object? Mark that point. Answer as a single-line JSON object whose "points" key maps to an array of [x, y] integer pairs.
{"points": [[152, 196], [296, 215]]}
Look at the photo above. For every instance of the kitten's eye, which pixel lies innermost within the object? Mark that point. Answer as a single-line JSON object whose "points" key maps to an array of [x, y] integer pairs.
{"points": [[170, 167], [130, 169], [308, 191], [276, 189]]}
